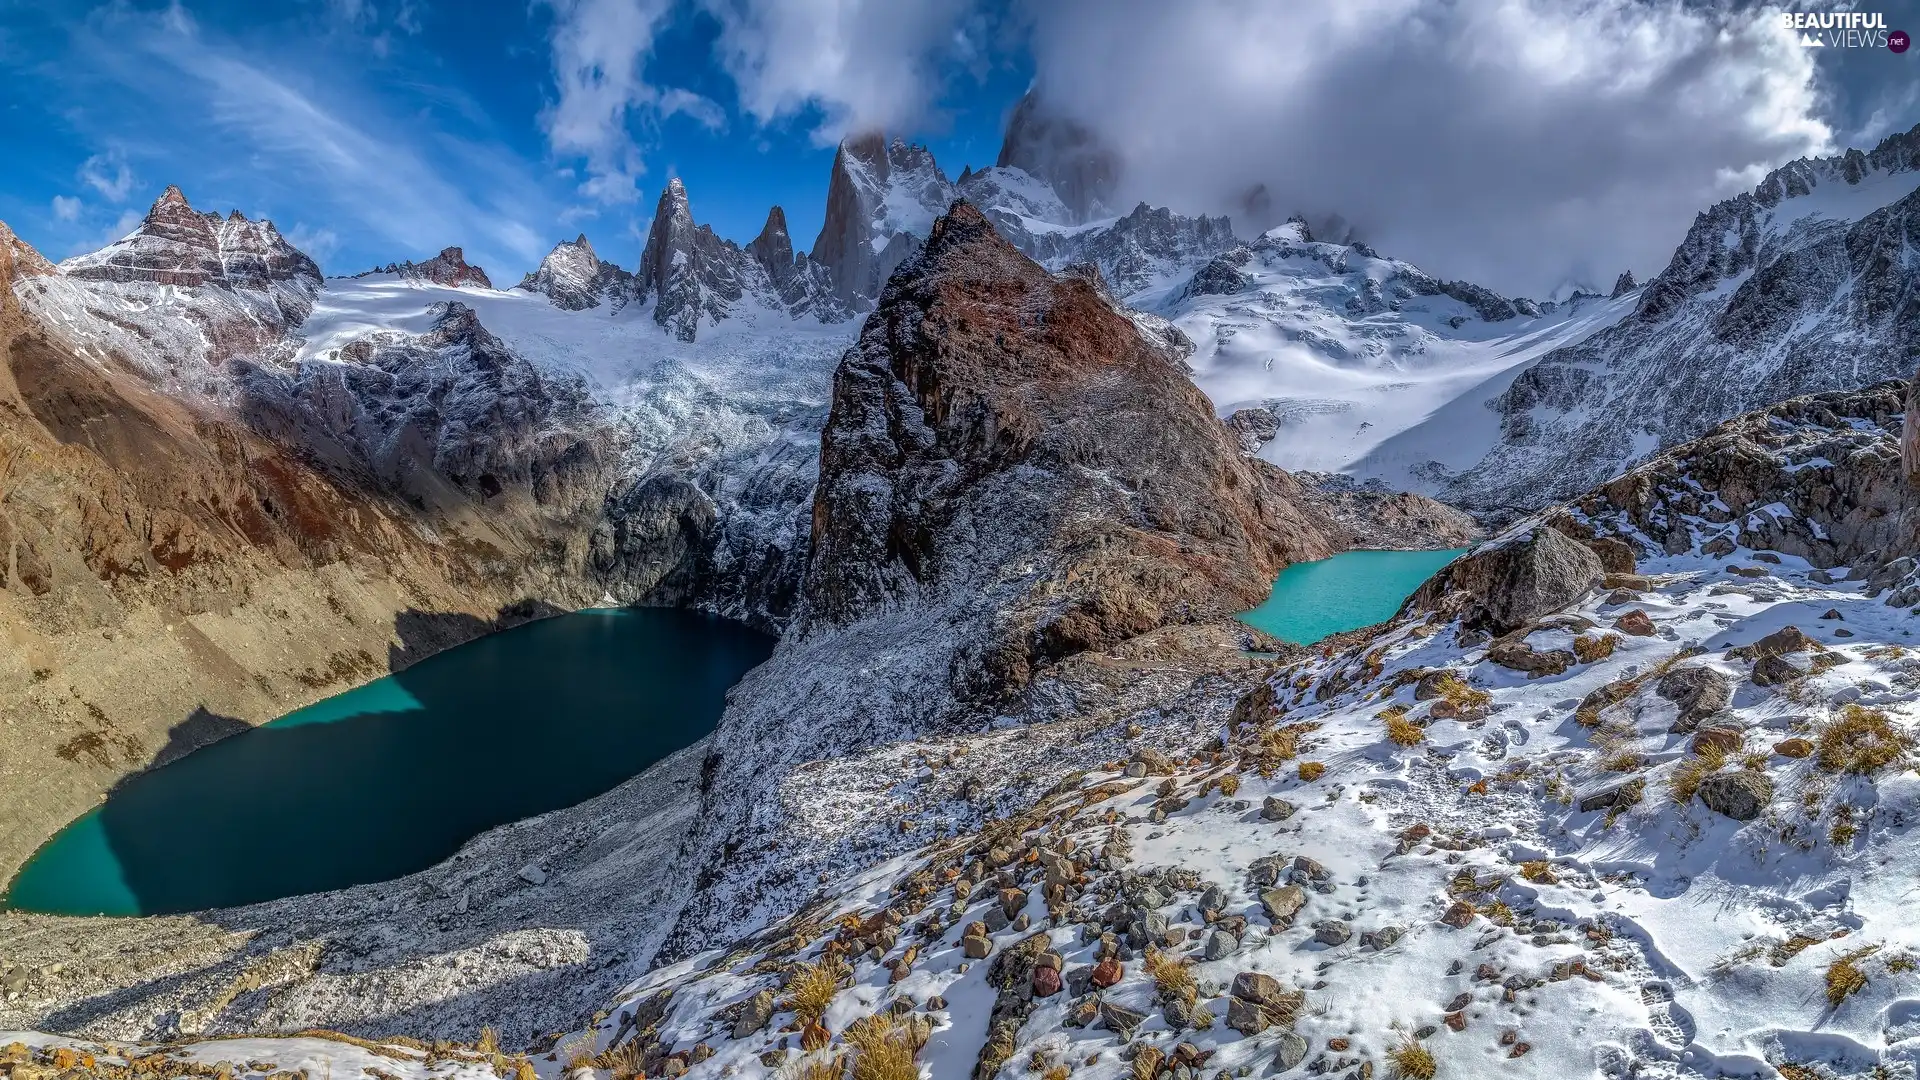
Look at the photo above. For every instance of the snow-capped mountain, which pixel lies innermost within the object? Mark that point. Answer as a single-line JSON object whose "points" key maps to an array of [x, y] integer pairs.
{"points": [[1806, 283], [575, 278], [447, 268], [882, 197]]}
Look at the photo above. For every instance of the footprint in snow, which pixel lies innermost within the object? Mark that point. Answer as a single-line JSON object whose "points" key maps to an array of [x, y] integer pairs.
{"points": [[1671, 1024]]}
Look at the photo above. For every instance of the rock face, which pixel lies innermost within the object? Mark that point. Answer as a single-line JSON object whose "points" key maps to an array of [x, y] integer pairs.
{"points": [[1062, 154], [1013, 477], [882, 198], [1508, 583], [1623, 285], [981, 366], [1150, 242], [1803, 284], [1378, 516], [448, 268], [575, 279], [689, 271]]}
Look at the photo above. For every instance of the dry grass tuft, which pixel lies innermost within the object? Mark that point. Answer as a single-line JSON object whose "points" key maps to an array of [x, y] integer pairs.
{"points": [[489, 1042], [1860, 740], [811, 988], [1691, 772], [1230, 785], [815, 1068], [1844, 976], [1172, 976], [1591, 647], [624, 1062], [1401, 730], [884, 1048], [1454, 691], [1538, 871], [1312, 770], [1411, 1060]]}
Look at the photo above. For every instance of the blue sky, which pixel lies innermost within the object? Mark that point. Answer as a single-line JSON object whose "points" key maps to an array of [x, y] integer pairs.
{"points": [[1523, 144], [377, 130]]}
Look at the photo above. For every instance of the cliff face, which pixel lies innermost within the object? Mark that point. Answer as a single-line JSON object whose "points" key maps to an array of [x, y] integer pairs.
{"points": [[882, 198], [1026, 513]]}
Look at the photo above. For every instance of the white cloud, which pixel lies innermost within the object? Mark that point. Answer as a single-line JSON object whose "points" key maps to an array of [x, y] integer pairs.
{"points": [[864, 64], [318, 243], [108, 174], [1513, 142], [600, 48], [66, 208]]}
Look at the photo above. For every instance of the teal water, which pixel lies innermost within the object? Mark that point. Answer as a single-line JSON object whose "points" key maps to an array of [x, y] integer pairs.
{"points": [[394, 776], [1353, 589]]}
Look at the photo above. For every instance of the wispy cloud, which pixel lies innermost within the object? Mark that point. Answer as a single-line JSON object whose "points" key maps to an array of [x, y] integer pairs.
{"points": [[600, 50], [341, 156], [66, 208], [109, 175]]}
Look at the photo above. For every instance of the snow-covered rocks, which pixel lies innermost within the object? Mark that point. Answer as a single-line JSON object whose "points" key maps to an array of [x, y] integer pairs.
{"points": [[575, 279], [882, 198], [449, 268]]}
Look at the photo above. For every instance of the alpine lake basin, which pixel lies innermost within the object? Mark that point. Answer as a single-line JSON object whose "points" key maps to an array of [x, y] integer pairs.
{"points": [[1312, 600], [394, 776]]}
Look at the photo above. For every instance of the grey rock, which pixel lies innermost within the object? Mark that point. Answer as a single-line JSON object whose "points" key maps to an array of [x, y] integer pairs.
{"points": [[1289, 1050], [1698, 690], [1283, 903], [1274, 808], [1220, 945], [1121, 1020], [754, 1014], [1741, 795], [1332, 932], [1509, 583]]}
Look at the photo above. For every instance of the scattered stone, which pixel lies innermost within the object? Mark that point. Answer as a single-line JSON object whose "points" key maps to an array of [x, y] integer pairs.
{"points": [[1121, 1020], [1616, 556], [1772, 670], [1012, 901], [1275, 808], [1519, 656], [1459, 915], [1213, 899], [1621, 793], [1460, 1001], [1741, 795], [1726, 740], [1284, 903], [1455, 1020], [1332, 932], [1698, 690], [1793, 748], [1220, 945], [1787, 639], [1289, 1050], [1634, 621], [1628, 583], [1106, 973], [976, 946], [754, 1014], [532, 874], [1381, 938], [1046, 981], [1719, 546], [1834, 613]]}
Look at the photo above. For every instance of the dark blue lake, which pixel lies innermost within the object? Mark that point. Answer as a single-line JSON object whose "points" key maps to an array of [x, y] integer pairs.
{"points": [[394, 776]]}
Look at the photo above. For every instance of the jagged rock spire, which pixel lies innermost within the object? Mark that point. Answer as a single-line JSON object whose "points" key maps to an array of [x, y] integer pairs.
{"points": [[1623, 284]]}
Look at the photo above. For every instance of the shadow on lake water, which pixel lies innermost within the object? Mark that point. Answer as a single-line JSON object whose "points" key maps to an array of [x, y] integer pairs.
{"points": [[394, 776]]}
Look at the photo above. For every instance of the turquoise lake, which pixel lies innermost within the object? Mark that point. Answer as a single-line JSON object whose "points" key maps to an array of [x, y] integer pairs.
{"points": [[392, 777], [1353, 589]]}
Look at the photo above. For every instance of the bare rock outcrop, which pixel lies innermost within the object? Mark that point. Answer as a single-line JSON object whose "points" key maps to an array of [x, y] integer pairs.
{"points": [[449, 268], [1509, 582]]}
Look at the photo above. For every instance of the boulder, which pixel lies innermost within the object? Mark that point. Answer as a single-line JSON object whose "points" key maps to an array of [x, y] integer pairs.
{"points": [[1257, 987], [1793, 748], [754, 1014], [1616, 556], [1741, 795], [1622, 793], [1283, 903], [1289, 1050], [1787, 639], [1725, 740], [1276, 809], [1698, 690], [1121, 1020], [1774, 670], [1332, 932], [1634, 621], [1518, 656], [1220, 945], [1511, 582]]}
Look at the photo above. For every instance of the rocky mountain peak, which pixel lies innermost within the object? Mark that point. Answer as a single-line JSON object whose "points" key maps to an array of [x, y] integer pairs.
{"points": [[773, 248], [177, 245], [19, 259], [690, 271], [1623, 285], [1062, 153], [449, 268], [574, 278], [882, 197]]}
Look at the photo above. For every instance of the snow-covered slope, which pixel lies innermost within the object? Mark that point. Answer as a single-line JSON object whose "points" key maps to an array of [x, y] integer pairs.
{"points": [[1660, 828], [1806, 283]]}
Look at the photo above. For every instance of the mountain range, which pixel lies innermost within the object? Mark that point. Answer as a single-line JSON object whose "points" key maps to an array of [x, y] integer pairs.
{"points": [[999, 460]]}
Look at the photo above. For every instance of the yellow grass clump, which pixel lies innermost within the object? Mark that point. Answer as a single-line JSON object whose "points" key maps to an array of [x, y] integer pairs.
{"points": [[1592, 647], [1412, 1061], [1454, 691], [1860, 740], [811, 988], [1844, 976]]}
